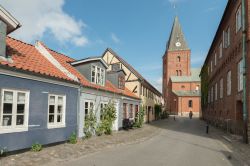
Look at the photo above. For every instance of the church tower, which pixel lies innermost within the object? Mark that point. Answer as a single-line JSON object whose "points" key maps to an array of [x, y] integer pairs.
{"points": [[176, 60]]}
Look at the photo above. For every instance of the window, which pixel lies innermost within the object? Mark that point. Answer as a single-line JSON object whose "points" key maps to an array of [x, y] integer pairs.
{"points": [[216, 92], [177, 72], [221, 88], [183, 86], [14, 111], [211, 66], [124, 110], [221, 50], [212, 94], [238, 19], [56, 115], [197, 87], [97, 75], [121, 82], [215, 59], [190, 103], [131, 111], [226, 38], [136, 110], [178, 59], [229, 83], [102, 107], [116, 67], [240, 75], [89, 106], [180, 72], [209, 96]]}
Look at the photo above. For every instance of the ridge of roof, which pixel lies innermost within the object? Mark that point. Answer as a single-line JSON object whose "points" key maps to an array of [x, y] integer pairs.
{"points": [[131, 68], [109, 87]]}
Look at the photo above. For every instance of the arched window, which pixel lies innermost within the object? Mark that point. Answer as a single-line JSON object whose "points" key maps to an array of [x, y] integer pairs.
{"points": [[178, 59], [177, 72], [180, 72]]}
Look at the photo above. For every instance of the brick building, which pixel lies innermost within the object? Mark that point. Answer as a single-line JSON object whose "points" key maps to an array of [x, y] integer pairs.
{"points": [[223, 70], [181, 84]]}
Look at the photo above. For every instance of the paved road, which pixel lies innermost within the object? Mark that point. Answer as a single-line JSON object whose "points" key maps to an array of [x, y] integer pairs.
{"points": [[180, 143]]}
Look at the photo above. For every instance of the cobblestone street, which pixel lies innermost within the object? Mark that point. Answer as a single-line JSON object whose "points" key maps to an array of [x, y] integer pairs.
{"points": [[63, 152]]}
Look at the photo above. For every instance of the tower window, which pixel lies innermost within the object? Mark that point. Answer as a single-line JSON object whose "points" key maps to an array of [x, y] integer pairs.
{"points": [[178, 59]]}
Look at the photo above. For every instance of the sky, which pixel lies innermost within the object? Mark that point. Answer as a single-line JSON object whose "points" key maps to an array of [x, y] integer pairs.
{"points": [[137, 30]]}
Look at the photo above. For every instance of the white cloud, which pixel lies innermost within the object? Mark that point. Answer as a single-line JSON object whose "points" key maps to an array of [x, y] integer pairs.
{"points": [[115, 38], [41, 17]]}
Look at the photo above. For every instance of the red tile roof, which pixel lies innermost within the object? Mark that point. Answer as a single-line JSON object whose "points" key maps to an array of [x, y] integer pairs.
{"points": [[26, 57], [65, 62]]}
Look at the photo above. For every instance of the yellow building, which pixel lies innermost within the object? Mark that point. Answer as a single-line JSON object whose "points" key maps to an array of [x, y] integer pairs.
{"points": [[135, 83]]}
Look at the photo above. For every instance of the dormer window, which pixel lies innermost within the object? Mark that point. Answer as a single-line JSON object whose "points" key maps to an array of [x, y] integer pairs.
{"points": [[97, 75], [121, 82], [116, 67]]}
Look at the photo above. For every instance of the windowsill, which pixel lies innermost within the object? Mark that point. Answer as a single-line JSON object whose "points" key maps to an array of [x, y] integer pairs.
{"points": [[4, 130], [56, 126]]}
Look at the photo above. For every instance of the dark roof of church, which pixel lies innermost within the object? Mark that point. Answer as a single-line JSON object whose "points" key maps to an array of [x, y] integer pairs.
{"points": [[193, 93], [177, 36], [193, 78]]}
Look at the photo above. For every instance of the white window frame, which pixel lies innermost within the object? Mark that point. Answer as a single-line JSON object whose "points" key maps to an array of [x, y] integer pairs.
{"points": [[229, 83], [14, 127], [102, 104], [226, 37], [240, 75], [99, 80], [221, 88], [88, 109], [238, 19], [56, 124]]}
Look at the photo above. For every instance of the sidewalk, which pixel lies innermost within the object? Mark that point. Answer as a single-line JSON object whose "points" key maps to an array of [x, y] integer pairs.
{"points": [[64, 152], [236, 147]]}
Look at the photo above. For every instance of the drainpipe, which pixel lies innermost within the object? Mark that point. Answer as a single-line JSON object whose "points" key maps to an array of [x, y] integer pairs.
{"points": [[244, 53]]}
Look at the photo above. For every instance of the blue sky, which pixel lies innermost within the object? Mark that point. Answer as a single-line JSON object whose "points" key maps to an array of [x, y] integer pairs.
{"points": [[136, 29]]}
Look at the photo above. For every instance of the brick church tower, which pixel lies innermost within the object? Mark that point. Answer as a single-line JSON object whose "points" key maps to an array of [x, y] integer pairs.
{"points": [[176, 60]]}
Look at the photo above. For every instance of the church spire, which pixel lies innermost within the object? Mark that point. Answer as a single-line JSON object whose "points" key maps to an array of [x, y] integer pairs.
{"points": [[177, 40]]}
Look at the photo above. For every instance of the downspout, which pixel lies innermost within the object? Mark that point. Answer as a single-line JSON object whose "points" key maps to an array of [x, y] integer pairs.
{"points": [[78, 110], [244, 53]]}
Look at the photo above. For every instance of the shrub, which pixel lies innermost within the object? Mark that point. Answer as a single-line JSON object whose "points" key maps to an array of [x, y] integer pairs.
{"points": [[73, 138], [109, 116], [99, 130], [158, 111], [90, 124], [139, 120], [36, 147], [3, 151]]}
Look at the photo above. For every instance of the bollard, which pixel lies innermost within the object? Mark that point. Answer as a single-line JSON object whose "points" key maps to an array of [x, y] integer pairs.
{"points": [[207, 128]]}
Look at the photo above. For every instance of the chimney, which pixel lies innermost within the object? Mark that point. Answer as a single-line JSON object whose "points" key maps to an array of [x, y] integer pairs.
{"points": [[3, 33]]}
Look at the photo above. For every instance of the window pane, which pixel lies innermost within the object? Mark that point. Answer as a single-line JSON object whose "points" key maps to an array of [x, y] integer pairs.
{"points": [[7, 108], [21, 98], [7, 120], [52, 100], [51, 109], [20, 108], [60, 100], [59, 109], [8, 97], [20, 120], [59, 118], [51, 118]]}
